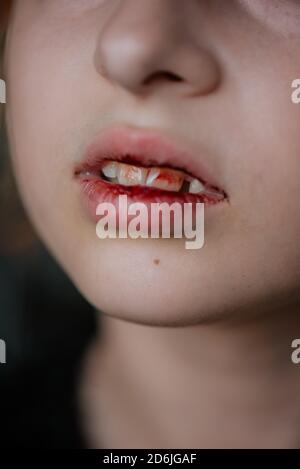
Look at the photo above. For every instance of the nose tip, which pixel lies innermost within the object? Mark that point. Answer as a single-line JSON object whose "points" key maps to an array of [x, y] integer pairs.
{"points": [[130, 59], [143, 47]]}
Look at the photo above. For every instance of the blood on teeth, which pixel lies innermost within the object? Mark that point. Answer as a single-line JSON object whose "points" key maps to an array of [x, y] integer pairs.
{"points": [[161, 178]]}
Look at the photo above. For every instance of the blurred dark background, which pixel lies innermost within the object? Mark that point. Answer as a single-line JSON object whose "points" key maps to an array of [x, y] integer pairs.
{"points": [[47, 327]]}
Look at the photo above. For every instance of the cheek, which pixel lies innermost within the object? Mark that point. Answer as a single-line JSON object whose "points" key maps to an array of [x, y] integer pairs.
{"points": [[269, 199], [266, 144], [275, 159], [282, 18], [41, 111]]}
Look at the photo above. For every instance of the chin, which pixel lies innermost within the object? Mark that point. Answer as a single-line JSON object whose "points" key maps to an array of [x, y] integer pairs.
{"points": [[149, 282]]}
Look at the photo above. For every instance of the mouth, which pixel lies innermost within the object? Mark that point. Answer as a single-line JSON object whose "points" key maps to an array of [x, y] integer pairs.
{"points": [[145, 166]]}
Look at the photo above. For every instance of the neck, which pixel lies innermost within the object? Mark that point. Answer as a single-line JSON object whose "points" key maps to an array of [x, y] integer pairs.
{"points": [[205, 375]]}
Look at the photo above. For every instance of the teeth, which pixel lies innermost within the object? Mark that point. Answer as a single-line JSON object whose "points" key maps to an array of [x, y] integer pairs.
{"points": [[159, 178], [152, 175], [166, 179], [129, 175], [110, 169], [196, 187]]}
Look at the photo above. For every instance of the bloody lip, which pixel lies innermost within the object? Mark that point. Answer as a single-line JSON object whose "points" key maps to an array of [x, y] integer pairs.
{"points": [[145, 148]]}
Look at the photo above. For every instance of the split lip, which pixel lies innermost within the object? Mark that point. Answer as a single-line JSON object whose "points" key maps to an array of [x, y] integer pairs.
{"points": [[143, 147]]}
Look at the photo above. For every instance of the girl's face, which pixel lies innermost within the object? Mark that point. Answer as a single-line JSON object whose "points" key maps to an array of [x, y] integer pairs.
{"points": [[77, 67]]}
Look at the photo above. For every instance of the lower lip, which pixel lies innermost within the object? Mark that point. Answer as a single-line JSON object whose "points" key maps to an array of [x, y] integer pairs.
{"points": [[95, 191]]}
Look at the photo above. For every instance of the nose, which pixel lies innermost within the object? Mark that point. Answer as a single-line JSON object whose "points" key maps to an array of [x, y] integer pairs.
{"points": [[149, 42]]}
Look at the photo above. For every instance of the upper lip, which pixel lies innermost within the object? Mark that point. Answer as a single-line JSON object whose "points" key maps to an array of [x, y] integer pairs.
{"points": [[144, 147]]}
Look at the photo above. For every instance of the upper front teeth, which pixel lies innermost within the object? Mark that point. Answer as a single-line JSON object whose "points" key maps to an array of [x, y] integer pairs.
{"points": [[165, 179], [110, 170], [129, 175], [156, 177]]}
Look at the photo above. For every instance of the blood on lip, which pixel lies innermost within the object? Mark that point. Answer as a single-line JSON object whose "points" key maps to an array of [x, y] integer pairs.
{"points": [[169, 175], [147, 149], [95, 187], [96, 190]]}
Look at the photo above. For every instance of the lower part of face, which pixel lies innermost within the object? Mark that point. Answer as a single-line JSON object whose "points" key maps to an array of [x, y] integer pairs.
{"points": [[67, 81]]}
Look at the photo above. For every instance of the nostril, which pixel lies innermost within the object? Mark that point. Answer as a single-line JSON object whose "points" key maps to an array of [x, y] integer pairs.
{"points": [[162, 75]]}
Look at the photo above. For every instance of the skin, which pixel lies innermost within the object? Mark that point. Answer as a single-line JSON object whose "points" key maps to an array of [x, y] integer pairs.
{"points": [[75, 67]]}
